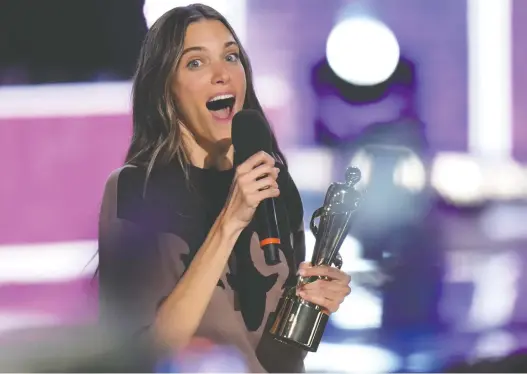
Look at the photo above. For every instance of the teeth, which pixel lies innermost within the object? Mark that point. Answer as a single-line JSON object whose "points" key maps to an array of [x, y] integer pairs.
{"points": [[222, 97]]}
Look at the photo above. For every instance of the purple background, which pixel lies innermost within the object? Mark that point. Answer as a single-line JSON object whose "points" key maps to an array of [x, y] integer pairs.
{"points": [[55, 168]]}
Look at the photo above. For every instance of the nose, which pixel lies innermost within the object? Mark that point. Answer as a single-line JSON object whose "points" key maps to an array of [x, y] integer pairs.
{"points": [[220, 74]]}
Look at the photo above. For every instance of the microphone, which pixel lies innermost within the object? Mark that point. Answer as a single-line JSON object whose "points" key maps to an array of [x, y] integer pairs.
{"points": [[250, 134]]}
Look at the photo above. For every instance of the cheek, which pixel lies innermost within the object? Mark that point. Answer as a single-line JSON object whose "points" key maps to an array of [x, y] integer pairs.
{"points": [[239, 77], [187, 100]]}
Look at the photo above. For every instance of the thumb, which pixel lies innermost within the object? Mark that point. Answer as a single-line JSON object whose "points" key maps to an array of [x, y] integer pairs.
{"points": [[304, 265]]}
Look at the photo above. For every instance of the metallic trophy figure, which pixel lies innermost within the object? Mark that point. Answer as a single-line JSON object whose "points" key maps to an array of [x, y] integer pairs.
{"points": [[299, 322]]}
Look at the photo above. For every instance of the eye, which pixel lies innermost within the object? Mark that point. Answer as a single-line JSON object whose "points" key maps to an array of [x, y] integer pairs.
{"points": [[193, 64], [233, 57]]}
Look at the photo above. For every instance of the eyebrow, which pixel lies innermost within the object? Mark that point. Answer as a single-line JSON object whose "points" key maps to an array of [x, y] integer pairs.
{"points": [[190, 49]]}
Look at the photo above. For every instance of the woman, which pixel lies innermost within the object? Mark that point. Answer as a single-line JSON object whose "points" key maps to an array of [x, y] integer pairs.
{"points": [[178, 256]]}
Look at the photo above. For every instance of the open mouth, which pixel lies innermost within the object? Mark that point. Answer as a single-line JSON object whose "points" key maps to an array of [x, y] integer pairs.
{"points": [[221, 106]]}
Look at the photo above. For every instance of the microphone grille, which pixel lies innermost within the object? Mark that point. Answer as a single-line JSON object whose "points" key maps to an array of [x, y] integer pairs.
{"points": [[250, 133]]}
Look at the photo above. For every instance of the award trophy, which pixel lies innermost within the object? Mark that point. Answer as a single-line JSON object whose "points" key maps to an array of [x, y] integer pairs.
{"points": [[299, 322]]}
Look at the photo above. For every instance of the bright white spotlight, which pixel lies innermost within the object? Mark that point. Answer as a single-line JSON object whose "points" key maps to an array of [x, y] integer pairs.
{"points": [[458, 178], [495, 344], [410, 173], [233, 10], [352, 358], [362, 51], [489, 26], [362, 309]]}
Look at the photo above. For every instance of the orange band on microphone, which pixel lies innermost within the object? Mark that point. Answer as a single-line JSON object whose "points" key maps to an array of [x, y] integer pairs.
{"points": [[269, 241]]}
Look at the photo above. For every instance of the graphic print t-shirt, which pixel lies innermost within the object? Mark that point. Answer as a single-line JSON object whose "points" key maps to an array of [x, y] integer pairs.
{"points": [[148, 239]]}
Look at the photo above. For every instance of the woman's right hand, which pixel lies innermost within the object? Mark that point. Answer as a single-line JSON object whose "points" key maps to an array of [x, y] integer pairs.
{"points": [[254, 181]]}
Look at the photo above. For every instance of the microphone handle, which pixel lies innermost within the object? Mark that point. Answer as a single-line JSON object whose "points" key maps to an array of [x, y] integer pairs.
{"points": [[268, 231]]}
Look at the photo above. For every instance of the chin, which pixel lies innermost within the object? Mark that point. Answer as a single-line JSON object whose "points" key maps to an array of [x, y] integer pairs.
{"points": [[222, 137]]}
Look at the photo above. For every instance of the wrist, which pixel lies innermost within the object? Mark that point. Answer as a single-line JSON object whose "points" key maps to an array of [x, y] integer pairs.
{"points": [[228, 228]]}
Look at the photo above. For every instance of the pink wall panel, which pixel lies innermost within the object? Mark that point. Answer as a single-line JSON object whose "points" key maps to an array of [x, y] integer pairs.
{"points": [[54, 170]]}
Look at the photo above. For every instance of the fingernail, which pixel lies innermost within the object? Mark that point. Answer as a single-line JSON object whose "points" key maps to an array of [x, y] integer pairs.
{"points": [[302, 272]]}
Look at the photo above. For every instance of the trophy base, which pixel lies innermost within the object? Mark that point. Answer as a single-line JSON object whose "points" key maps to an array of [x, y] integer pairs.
{"points": [[299, 323]]}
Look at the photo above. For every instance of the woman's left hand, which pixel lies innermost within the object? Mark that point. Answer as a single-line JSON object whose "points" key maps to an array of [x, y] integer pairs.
{"points": [[329, 293]]}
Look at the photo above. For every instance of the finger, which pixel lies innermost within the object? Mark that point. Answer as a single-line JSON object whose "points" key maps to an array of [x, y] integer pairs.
{"points": [[273, 173], [262, 171], [264, 194], [265, 183], [255, 160], [304, 265], [249, 185], [319, 300], [326, 271], [256, 174], [332, 290]]}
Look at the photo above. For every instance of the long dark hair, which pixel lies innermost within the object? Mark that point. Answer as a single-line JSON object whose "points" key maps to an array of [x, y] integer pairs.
{"points": [[156, 131]]}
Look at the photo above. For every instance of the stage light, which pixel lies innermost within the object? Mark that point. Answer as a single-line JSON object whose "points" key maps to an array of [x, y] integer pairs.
{"points": [[362, 309], [47, 262], [506, 180], [310, 168], [490, 100], [352, 358], [495, 344], [458, 178], [410, 173], [362, 51]]}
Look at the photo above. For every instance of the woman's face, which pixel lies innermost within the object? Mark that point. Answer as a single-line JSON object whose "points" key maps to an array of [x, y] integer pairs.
{"points": [[209, 84]]}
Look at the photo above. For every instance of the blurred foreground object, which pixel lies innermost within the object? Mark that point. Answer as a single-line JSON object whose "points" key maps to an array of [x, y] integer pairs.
{"points": [[72, 349]]}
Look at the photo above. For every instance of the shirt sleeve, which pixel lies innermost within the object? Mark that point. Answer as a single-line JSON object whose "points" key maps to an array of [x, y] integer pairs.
{"points": [[138, 267]]}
